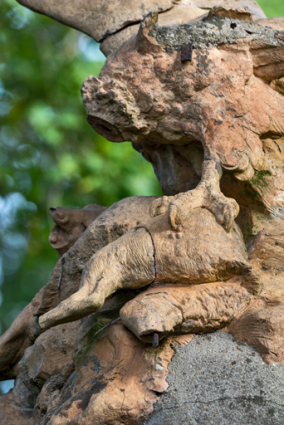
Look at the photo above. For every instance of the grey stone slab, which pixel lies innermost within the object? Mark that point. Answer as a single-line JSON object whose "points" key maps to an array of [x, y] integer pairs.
{"points": [[215, 380]]}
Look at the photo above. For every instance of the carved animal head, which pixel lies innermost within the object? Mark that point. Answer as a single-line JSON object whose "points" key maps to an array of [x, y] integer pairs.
{"points": [[177, 92], [70, 224]]}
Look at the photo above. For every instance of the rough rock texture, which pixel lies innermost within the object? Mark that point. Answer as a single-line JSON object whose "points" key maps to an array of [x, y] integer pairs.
{"points": [[97, 18], [114, 22], [176, 111], [201, 308], [18, 337], [276, 23], [252, 5], [261, 324], [152, 253], [11, 414], [116, 380], [216, 380], [203, 102], [180, 14], [65, 280], [70, 223], [112, 377], [207, 194], [48, 355]]}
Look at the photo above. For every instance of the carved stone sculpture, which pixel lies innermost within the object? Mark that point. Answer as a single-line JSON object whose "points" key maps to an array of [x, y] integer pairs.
{"points": [[70, 224], [200, 96]]}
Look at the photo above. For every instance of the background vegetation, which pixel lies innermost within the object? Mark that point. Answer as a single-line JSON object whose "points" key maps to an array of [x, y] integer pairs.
{"points": [[49, 155]]}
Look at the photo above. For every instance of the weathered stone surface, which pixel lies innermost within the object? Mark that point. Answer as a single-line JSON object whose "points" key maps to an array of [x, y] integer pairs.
{"points": [[242, 13], [200, 308], [266, 251], [11, 414], [180, 14], [16, 407], [148, 70], [115, 22], [261, 199], [276, 23], [216, 380], [207, 194], [115, 221], [261, 324], [202, 251], [70, 224], [267, 61], [175, 112], [97, 18], [114, 378], [252, 5], [278, 85], [188, 97], [48, 356], [17, 338], [116, 381]]}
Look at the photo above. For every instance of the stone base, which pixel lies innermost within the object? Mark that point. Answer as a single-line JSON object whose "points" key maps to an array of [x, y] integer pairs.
{"points": [[216, 380]]}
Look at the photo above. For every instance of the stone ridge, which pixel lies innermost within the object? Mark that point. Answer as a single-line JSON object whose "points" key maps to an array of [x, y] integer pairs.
{"points": [[211, 32]]}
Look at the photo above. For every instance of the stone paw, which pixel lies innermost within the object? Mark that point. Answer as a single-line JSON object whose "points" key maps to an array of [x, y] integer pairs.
{"points": [[224, 209], [160, 205], [178, 207]]}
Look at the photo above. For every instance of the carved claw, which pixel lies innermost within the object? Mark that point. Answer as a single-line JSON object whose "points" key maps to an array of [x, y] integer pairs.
{"points": [[206, 195], [225, 210], [173, 212], [160, 205]]}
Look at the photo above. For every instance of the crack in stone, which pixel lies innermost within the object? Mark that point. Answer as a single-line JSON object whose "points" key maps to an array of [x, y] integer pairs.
{"points": [[154, 251]]}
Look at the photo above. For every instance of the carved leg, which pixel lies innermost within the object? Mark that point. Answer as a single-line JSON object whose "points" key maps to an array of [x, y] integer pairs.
{"points": [[206, 195], [127, 263]]}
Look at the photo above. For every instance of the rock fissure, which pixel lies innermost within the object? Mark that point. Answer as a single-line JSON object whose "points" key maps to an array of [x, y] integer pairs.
{"points": [[154, 250]]}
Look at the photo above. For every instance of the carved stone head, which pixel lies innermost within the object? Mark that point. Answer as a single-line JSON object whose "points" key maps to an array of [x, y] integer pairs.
{"points": [[176, 92]]}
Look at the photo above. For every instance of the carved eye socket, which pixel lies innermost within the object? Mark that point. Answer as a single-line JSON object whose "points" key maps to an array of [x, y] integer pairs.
{"points": [[107, 130]]}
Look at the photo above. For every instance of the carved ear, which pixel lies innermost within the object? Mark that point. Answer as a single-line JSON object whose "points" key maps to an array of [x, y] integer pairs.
{"points": [[268, 59]]}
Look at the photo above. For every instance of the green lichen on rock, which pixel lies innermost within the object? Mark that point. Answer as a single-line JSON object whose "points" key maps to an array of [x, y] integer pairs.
{"points": [[259, 179], [212, 32]]}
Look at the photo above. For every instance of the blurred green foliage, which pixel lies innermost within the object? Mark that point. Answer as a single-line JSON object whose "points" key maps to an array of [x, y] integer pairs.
{"points": [[272, 7], [49, 155]]}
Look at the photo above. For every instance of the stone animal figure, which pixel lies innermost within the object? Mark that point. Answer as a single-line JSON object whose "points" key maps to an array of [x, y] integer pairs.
{"points": [[184, 93], [175, 107], [151, 253], [97, 242], [70, 223], [198, 271]]}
